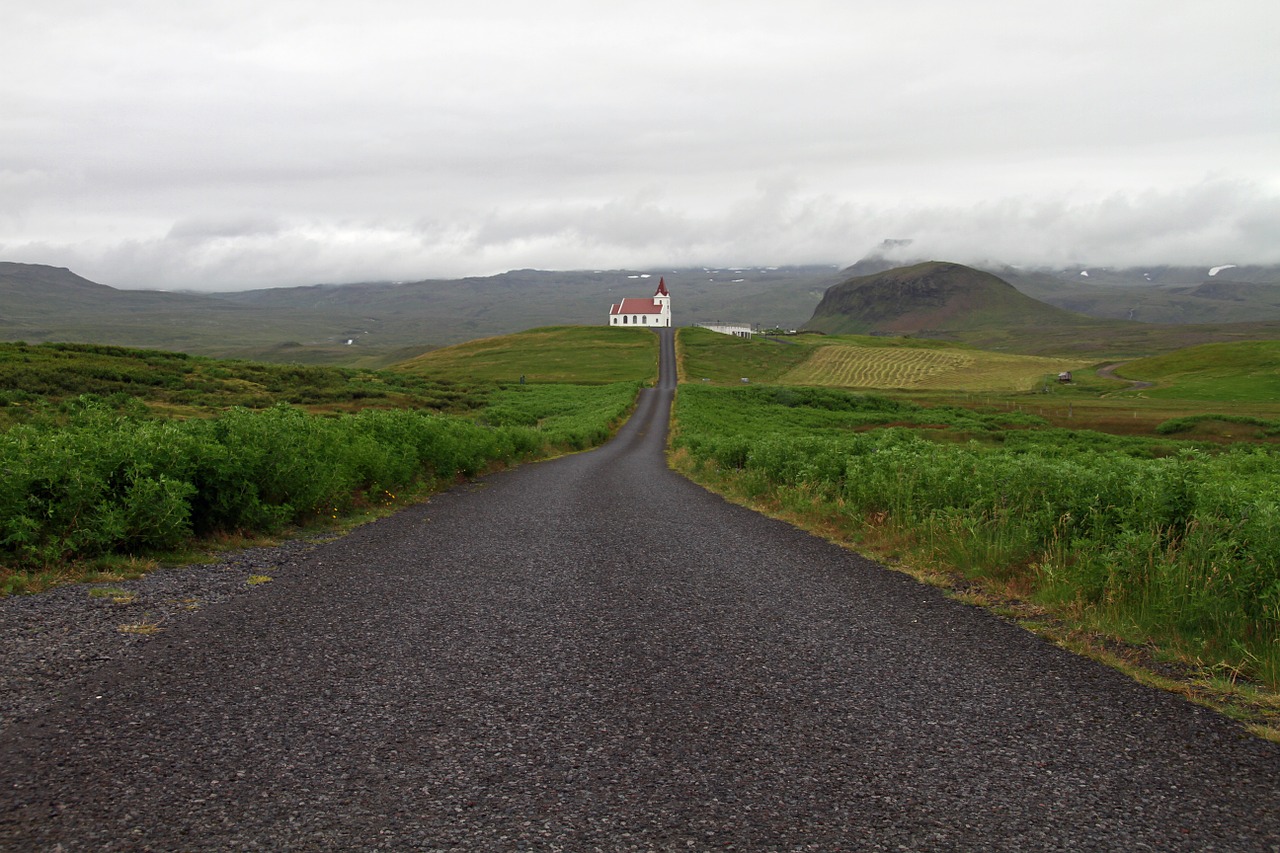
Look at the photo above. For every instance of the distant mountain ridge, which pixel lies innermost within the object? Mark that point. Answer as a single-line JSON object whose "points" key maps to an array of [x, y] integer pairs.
{"points": [[1156, 293], [381, 320], [375, 323], [45, 303]]}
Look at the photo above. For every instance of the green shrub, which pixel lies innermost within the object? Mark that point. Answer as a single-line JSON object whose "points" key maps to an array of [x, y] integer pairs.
{"points": [[99, 475]]}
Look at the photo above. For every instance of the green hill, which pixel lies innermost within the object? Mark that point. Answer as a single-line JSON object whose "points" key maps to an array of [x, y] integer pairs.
{"points": [[578, 354], [1248, 371]]}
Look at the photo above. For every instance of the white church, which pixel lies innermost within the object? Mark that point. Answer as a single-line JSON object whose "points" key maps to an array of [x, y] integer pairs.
{"points": [[643, 312]]}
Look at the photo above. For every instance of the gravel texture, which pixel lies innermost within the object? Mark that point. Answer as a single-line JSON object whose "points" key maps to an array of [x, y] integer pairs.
{"points": [[50, 640], [594, 654]]}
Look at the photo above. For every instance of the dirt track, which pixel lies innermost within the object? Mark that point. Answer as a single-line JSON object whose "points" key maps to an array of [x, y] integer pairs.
{"points": [[1109, 372]]}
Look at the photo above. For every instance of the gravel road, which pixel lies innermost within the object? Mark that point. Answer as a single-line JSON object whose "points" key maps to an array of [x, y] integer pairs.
{"points": [[594, 654]]}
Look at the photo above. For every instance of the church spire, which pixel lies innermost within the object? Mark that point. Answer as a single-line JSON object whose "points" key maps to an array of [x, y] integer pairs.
{"points": [[662, 287]]}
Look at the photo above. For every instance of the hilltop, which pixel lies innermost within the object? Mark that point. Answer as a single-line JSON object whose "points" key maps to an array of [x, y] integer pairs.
{"points": [[583, 354]]}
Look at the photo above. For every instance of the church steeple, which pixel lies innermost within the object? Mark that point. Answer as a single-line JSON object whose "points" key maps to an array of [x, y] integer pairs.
{"points": [[662, 301]]}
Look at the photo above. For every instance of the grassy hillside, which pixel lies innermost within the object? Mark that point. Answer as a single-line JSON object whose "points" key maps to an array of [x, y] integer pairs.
{"points": [[554, 354], [1217, 388], [713, 357], [1110, 339], [177, 384], [1230, 372]]}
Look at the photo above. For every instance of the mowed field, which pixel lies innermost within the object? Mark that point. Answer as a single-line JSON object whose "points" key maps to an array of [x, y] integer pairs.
{"points": [[859, 366]]}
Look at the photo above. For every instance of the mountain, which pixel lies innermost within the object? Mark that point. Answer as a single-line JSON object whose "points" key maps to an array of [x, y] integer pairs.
{"points": [[930, 299], [455, 310], [43, 303], [36, 290], [25, 285]]}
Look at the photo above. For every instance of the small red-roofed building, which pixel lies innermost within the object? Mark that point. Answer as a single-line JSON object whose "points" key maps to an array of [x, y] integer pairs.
{"points": [[652, 311]]}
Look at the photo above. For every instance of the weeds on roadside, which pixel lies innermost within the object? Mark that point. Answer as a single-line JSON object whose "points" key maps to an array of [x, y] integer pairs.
{"points": [[117, 596]]}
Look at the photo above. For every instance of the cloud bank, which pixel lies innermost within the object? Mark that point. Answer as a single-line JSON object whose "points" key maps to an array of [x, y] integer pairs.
{"points": [[279, 142]]}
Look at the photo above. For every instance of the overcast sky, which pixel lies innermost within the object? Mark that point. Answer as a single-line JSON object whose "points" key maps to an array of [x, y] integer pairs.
{"points": [[252, 143]]}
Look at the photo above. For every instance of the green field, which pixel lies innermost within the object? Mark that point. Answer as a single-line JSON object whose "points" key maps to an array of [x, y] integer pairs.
{"points": [[552, 354], [863, 361], [1246, 372], [709, 356], [177, 384]]}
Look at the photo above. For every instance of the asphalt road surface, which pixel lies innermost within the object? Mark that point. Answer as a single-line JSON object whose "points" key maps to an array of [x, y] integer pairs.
{"points": [[594, 654]]}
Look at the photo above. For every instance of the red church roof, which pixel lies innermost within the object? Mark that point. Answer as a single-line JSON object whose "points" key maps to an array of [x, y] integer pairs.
{"points": [[636, 306], [662, 288]]}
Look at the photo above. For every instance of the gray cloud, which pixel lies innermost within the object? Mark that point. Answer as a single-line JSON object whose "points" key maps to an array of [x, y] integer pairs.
{"points": [[281, 142]]}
